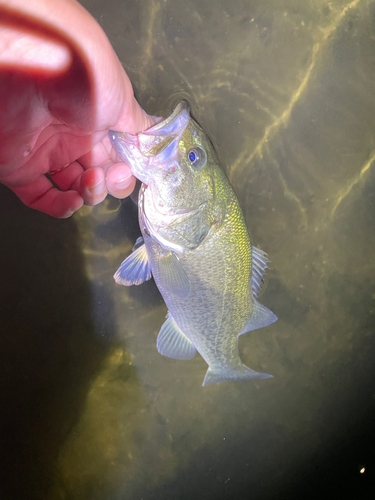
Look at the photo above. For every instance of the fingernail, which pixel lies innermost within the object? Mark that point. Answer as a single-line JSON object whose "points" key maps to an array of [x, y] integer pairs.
{"points": [[68, 214], [124, 183], [97, 189]]}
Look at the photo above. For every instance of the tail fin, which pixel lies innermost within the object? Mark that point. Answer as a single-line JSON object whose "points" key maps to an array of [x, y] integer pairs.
{"points": [[243, 373]]}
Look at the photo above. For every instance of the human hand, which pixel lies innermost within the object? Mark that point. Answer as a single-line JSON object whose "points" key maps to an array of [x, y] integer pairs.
{"points": [[62, 88]]}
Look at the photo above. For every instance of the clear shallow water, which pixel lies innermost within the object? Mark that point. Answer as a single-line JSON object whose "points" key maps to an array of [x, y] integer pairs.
{"points": [[90, 410]]}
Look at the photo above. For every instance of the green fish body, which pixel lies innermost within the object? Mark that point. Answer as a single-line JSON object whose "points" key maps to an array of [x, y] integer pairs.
{"points": [[195, 245]]}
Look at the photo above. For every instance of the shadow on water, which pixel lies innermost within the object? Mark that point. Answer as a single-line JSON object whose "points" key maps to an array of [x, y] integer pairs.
{"points": [[51, 349]]}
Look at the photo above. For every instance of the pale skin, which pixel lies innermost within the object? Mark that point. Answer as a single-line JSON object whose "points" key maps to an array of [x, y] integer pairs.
{"points": [[62, 88]]}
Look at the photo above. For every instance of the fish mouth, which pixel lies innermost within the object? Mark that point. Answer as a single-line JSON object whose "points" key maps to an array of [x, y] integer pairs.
{"points": [[155, 139], [156, 147]]}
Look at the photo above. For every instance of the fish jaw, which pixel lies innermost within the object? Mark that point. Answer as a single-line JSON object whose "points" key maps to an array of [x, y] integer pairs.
{"points": [[155, 140], [157, 147], [127, 149]]}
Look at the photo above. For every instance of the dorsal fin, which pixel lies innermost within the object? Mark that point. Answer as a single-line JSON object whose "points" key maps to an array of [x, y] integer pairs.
{"points": [[259, 266], [260, 317]]}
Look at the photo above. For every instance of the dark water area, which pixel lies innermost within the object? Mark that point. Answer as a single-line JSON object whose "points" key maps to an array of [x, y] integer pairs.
{"points": [[89, 409]]}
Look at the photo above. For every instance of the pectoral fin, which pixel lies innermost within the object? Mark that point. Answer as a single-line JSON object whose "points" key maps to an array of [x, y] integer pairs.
{"points": [[136, 268], [173, 277], [173, 343], [260, 317]]}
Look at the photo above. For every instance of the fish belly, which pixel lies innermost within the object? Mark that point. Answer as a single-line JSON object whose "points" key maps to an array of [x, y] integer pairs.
{"points": [[220, 300]]}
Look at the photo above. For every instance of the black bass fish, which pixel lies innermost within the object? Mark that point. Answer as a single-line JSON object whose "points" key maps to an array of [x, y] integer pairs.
{"points": [[196, 246]]}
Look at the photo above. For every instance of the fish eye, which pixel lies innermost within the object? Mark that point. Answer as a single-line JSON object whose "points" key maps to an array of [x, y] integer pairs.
{"points": [[197, 157]]}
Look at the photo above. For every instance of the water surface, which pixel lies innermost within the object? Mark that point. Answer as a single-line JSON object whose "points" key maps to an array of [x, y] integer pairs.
{"points": [[90, 410]]}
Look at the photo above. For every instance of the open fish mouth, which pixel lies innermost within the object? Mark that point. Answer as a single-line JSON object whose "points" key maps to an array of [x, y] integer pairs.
{"points": [[156, 139], [155, 147]]}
